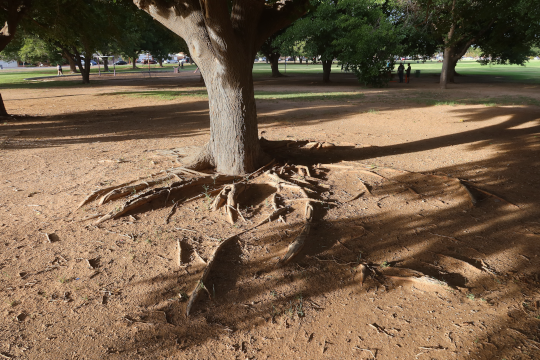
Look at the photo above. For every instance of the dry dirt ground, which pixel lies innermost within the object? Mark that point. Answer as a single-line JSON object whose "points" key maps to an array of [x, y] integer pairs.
{"points": [[404, 208]]}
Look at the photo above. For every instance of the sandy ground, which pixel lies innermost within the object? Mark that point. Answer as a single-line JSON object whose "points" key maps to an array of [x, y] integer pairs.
{"points": [[405, 209]]}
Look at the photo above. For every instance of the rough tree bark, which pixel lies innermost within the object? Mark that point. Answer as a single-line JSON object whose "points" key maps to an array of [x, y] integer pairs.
{"points": [[14, 11], [105, 64], [327, 67], [223, 42], [134, 62], [160, 62]]}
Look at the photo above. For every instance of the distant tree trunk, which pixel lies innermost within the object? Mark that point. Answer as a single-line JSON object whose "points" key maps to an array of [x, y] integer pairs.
{"points": [[451, 57], [446, 68], [300, 59], [105, 64], [3, 111], [274, 64], [72, 64], [160, 62], [453, 52], [85, 72], [327, 67], [134, 65]]}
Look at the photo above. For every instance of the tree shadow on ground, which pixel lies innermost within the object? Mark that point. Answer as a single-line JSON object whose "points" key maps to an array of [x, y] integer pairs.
{"points": [[187, 119], [426, 229]]}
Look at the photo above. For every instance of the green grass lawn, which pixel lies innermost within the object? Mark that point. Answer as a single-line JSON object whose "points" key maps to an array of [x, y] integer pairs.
{"points": [[259, 95], [530, 73]]}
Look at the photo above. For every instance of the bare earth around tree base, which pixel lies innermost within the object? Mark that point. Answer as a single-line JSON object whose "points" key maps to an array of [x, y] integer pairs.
{"points": [[387, 226]]}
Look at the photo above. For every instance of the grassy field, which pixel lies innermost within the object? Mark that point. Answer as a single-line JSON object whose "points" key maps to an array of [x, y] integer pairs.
{"points": [[259, 95], [530, 73]]}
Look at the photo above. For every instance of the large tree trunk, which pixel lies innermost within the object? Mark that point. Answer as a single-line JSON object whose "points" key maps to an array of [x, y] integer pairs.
{"points": [[134, 64], [234, 142], [160, 62], [274, 64], [3, 111], [300, 59], [105, 64], [223, 42], [327, 67]]}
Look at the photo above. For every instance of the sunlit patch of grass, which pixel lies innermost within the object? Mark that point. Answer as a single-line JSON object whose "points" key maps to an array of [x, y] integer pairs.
{"points": [[162, 94], [307, 96], [259, 95], [423, 98]]}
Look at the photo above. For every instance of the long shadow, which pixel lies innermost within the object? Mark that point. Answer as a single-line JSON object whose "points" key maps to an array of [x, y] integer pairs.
{"points": [[436, 223], [251, 294], [187, 119]]}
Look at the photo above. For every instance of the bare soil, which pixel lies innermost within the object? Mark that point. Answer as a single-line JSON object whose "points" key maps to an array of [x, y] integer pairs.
{"points": [[70, 289]]}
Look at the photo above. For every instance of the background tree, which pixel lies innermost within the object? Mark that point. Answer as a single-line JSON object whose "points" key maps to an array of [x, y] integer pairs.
{"points": [[487, 24], [161, 42], [78, 28], [223, 38], [11, 14], [271, 49], [318, 31], [31, 49], [370, 40]]}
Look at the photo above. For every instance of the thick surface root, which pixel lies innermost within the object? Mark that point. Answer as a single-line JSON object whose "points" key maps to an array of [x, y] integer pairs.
{"points": [[227, 191]]}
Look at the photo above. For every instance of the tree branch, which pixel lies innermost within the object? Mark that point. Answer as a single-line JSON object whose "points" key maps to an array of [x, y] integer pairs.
{"points": [[15, 12], [277, 16]]}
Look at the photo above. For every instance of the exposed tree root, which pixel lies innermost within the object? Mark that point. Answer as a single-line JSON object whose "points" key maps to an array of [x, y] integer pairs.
{"points": [[150, 195], [232, 197], [297, 178]]}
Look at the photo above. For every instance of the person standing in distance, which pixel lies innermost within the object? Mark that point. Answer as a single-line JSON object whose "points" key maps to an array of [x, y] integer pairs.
{"points": [[400, 72], [408, 72], [59, 68]]}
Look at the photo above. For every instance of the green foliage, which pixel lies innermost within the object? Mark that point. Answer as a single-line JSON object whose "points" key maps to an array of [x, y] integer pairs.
{"points": [[314, 35], [31, 49], [370, 42]]}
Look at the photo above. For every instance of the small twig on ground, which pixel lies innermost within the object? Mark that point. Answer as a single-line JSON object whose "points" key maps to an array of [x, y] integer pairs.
{"points": [[372, 354], [168, 217], [432, 347], [308, 199], [380, 330]]}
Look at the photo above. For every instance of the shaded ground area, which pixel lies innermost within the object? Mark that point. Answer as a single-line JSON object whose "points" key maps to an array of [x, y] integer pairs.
{"points": [[116, 291]]}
